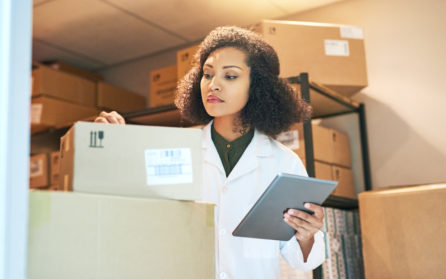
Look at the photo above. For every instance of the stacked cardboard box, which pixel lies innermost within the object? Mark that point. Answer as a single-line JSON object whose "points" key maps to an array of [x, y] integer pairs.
{"points": [[163, 85], [44, 171], [63, 94], [184, 60], [110, 97], [331, 154], [343, 244], [75, 235], [403, 231], [333, 55], [132, 160]]}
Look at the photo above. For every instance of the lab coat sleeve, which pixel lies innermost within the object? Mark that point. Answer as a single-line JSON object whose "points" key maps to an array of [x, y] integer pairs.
{"points": [[292, 253]]}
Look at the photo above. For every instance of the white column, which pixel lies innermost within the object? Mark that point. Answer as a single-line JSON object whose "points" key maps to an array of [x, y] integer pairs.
{"points": [[15, 73]]}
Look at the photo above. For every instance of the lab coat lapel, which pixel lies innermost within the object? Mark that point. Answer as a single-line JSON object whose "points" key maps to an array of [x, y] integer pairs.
{"points": [[210, 154], [260, 146]]}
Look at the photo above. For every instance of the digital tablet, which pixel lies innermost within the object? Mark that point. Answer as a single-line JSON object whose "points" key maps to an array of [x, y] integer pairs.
{"points": [[265, 219]]}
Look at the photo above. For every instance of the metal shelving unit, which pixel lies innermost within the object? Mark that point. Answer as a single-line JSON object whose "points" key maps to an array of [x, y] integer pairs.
{"points": [[328, 103]]}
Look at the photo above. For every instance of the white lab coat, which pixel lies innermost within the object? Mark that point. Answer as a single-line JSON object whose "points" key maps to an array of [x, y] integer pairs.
{"points": [[238, 257]]}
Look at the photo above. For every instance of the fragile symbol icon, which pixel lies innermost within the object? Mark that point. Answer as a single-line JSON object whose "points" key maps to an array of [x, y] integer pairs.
{"points": [[96, 138]]}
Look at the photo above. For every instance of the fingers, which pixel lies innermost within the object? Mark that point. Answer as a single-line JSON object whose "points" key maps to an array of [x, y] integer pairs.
{"points": [[306, 225], [112, 118]]}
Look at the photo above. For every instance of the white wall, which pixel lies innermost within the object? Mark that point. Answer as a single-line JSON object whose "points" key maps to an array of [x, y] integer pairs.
{"points": [[405, 102], [405, 44]]}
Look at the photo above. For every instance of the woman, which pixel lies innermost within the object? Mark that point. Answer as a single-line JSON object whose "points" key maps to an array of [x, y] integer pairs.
{"points": [[235, 90]]}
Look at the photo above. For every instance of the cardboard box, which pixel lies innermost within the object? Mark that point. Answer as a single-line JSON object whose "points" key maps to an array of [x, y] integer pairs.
{"points": [[74, 235], [54, 168], [68, 68], [184, 60], [63, 86], [48, 112], [333, 55], [132, 160], [163, 85], [346, 184], [38, 171], [329, 146], [403, 232], [114, 98]]}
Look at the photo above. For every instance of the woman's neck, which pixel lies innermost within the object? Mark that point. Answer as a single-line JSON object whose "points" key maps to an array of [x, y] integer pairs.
{"points": [[225, 127]]}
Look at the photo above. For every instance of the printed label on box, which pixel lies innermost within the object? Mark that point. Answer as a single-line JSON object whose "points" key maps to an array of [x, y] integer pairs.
{"points": [[290, 139], [36, 168], [36, 113], [351, 32], [336, 48], [168, 166]]}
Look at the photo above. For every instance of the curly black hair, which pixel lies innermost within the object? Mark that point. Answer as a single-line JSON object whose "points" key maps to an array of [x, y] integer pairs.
{"points": [[272, 107]]}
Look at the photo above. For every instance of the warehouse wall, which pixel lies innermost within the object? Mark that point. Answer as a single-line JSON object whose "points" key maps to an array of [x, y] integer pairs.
{"points": [[405, 45]]}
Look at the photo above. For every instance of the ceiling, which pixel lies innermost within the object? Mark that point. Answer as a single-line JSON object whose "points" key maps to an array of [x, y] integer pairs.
{"points": [[97, 34]]}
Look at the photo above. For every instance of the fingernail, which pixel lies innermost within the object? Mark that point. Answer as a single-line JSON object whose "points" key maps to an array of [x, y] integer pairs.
{"points": [[291, 211], [307, 205]]}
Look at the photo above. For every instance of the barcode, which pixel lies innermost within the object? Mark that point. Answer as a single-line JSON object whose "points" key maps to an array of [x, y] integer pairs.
{"points": [[162, 170]]}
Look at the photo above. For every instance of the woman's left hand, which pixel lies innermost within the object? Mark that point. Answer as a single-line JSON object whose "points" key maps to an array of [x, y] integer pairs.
{"points": [[305, 224]]}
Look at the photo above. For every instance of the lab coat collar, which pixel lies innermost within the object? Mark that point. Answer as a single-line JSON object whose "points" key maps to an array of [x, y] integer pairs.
{"points": [[260, 146]]}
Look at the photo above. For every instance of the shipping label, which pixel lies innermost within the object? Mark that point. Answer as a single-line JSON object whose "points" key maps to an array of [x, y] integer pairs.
{"points": [[168, 166], [336, 48], [36, 168], [290, 139], [36, 113]]}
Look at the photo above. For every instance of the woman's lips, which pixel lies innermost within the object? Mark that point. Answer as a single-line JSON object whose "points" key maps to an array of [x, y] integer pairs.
{"points": [[213, 99]]}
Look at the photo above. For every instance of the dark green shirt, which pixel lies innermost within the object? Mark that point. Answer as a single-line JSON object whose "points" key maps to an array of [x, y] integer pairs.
{"points": [[230, 152]]}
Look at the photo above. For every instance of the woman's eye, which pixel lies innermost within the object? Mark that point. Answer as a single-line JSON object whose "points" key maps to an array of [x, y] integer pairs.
{"points": [[207, 76], [231, 77]]}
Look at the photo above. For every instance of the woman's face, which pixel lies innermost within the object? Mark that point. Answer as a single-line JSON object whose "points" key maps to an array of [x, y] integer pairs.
{"points": [[225, 82]]}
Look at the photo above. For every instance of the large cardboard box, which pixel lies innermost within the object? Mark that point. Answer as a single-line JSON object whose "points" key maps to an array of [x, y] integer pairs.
{"points": [[63, 86], [48, 112], [132, 160], [184, 60], [74, 235], [38, 171], [163, 85], [403, 232], [68, 68], [54, 168], [333, 55], [111, 97], [329, 146]]}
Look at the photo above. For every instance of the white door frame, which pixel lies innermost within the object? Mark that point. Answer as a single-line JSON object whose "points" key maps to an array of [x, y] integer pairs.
{"points": [[15, 88]]}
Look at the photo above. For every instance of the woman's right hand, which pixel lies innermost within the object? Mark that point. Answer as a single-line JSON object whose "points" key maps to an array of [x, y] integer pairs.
{"points": [[110, 117]]}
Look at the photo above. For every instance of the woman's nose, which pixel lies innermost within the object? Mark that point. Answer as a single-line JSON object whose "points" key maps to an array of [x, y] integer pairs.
{"points": [[214, 85]]}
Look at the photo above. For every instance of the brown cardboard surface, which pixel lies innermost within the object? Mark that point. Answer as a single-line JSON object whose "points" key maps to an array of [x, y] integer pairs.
{"points": [[38, 171], [341, 149], [132, 160], [303, 47], [63, 86], [48, 112], [184, 60], [74, 235], [112, 98], [323, 171], [54, 167], [403, 232], [346, 184], [68, 68], [163, 84]]}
